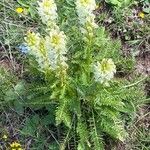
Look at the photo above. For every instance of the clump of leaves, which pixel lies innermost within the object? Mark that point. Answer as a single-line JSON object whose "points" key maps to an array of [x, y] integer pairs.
{"points": [[7, 80]]}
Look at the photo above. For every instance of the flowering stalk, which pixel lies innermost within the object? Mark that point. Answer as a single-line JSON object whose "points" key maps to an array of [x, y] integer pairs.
{"points": [[48, 12], [49, 51], [86, 17], [37, 48], [87, 23], [56, 45]]}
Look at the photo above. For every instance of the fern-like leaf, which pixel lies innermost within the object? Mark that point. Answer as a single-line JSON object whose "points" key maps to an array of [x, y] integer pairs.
{"points": [[95, 134], [83, 135], [63, 115]]}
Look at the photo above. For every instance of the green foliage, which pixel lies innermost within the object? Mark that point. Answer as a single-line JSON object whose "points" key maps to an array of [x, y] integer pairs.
{"points": [[89, 109], [83, 134], [119, 3], [31, 126], [7, 81], [62, 114]]}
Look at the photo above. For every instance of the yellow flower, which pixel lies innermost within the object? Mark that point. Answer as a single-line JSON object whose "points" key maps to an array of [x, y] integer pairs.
{"points": [[4, 137], [19, 10], [16, 149], [15, 145], [141, 15]]}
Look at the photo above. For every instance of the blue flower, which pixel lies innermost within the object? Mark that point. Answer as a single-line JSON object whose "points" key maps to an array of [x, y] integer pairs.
{"points": [[24, 48]]}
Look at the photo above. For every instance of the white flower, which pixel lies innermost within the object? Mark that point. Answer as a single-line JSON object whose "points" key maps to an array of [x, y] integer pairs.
{"points": [[32, 38], [86, 17], [85, 6], [104, 71], [56, 40], [90, 18], [33, 41], [56, 47], [49, 51], [48, 11], [88, 25], [37, 49]]}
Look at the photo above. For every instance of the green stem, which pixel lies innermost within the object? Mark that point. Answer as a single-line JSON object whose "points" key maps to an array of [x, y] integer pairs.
{"points": [[133, 84], [89, 58]]}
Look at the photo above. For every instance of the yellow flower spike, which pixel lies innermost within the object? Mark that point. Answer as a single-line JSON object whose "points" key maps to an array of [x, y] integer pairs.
{"points": [[141, 15], [19, 10]]}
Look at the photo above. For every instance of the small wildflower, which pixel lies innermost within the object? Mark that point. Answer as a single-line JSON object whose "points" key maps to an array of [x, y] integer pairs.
{"points": [[15, 146], [19, 10], [141, 15], [16, 149], [104, 71], [4, 137], [23, 48]]}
